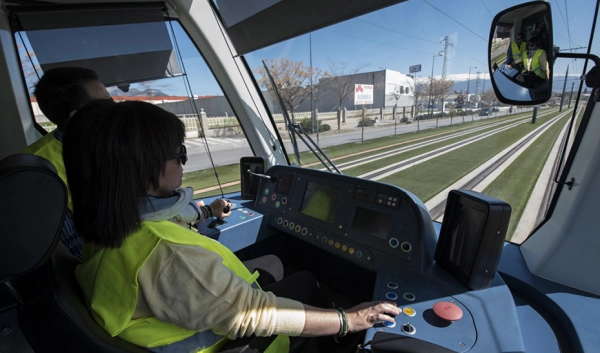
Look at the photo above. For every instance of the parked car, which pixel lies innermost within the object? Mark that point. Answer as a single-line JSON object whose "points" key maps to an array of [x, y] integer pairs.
{"points": [[485, 112]]}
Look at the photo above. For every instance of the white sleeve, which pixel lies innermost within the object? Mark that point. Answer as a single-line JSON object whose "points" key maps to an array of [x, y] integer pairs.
{"points": [[190, 287]]}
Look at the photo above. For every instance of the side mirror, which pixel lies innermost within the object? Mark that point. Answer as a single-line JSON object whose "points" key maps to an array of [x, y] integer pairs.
{"points": [[521, 70]]}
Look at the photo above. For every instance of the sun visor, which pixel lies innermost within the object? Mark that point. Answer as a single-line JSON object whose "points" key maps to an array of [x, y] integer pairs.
{"points": [[123, 45], [252, 25]]}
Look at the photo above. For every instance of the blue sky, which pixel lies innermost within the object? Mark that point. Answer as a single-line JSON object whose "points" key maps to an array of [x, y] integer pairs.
{"points": [[400, 36], [411, 32]]}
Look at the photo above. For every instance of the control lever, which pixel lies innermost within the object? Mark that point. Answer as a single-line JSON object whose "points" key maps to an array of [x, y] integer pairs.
{"points": [[264, 176], [219, 220]]}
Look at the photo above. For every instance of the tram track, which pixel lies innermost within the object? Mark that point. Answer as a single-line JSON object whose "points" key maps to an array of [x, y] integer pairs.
{"points": [[386, 154], [438, 210], [399, 166]]}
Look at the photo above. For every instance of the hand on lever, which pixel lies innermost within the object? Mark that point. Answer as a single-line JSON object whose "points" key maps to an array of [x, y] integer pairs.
{"points": [[221, 208]]}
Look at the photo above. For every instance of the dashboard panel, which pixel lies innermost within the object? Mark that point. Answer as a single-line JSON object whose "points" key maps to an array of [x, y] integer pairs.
{"points": [[374, 225]]}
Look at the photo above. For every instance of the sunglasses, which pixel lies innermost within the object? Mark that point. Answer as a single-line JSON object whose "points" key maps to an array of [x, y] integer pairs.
{"points": [[182, 155]]}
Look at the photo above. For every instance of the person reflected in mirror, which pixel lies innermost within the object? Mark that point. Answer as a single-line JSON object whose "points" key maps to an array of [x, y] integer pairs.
{"points": [[156, 284], [536, 70], [516, 50]]}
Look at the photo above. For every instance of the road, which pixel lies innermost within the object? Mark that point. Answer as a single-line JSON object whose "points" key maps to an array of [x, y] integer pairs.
{"points": [[225, 151]]}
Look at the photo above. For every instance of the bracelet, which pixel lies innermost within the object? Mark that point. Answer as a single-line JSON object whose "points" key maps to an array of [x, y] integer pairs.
{"points": [[341, 321], [207, 210], [344, 327]]}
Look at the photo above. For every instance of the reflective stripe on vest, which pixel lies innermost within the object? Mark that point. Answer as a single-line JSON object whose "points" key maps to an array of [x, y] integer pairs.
{"points": [[108, 278]]}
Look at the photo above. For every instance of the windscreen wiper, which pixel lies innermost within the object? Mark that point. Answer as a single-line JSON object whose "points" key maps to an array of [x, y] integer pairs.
{"points": [[295, 129]]}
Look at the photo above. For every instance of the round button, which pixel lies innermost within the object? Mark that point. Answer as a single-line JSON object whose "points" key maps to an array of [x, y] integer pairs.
{"points": [[447, 311], [279, 220], [337, 244], [408, 311], [285, 223], [389, 324], [359, 254], [284, 200], [394, 243], [304, 231], [391, 295], [266, 191], [277, 204], [263, 200], [324, 239], [351, 251], [330, 242], [392, 285], [273, 197], [344, 247]]}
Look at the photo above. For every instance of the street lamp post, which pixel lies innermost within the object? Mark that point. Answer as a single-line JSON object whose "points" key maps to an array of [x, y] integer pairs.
{"points": [[468, 84], [431, 84]]}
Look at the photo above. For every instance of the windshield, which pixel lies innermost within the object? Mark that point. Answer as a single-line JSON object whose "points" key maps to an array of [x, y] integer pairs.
{"points": [[402, 95]]}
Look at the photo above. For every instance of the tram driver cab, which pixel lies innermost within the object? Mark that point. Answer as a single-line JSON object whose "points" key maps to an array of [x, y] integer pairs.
{"points": [[448, 258]]}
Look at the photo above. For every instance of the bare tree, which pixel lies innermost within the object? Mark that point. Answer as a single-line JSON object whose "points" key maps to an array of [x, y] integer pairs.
{"points": [[440, 89], [341, 80], [292, 79], [419, 89], [489, 97]]}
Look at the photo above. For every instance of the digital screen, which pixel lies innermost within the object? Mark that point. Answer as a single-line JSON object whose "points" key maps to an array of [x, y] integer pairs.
{"points": [[320, 201], [465, 236], [371, 222]]}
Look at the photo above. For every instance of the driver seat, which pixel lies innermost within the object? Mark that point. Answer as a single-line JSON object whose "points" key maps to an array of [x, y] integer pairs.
{"points": [[37, 269]]}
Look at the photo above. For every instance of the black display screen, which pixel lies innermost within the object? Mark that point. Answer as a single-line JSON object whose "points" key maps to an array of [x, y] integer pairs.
{"points": [[467, 226], [372, 222], [320, 201]]}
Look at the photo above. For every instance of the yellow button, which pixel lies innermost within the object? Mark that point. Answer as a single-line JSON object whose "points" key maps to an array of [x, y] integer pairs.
{"points": [[344, 248], [409, 311], [330, 242], [351, 251], [337, 244]]}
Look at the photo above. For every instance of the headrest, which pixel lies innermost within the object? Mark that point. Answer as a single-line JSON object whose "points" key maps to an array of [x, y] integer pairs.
{"points": [[33, 204]]}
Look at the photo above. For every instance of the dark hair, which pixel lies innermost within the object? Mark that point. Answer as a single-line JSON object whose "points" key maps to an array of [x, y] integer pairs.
{"points": [[113, 153], [62, 90], [537, 41]]}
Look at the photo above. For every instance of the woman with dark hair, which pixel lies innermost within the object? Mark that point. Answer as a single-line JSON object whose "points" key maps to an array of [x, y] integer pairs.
{"points": [[536, 70], [152, 282]]}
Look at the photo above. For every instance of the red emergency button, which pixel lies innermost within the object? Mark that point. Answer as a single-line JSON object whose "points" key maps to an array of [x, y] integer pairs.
{"points": [[447, 311]]}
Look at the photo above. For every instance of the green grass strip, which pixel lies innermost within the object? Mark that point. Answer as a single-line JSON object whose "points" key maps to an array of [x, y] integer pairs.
{"points": [[429, 178], [515, 184]]}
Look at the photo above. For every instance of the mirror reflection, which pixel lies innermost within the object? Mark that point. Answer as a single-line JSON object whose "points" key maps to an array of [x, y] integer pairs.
{"points": [[521, 55]]}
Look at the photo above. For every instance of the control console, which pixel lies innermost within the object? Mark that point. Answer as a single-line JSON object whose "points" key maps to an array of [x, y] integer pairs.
{"points": [[372, 224]]}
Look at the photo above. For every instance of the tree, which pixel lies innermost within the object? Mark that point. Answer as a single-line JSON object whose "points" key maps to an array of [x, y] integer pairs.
{"points": [[292, 79], [489, 97], [461, 98], [341, 79], [440, 89], [419, 89]]}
